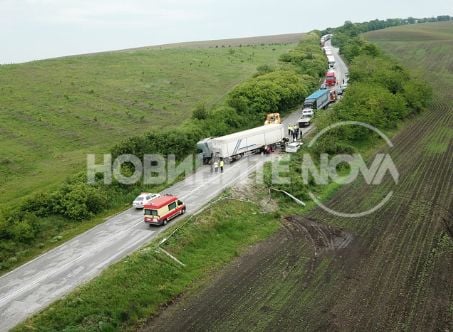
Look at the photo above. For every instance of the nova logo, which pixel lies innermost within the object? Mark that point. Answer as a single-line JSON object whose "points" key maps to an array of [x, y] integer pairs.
{"points": [[328, 169]]}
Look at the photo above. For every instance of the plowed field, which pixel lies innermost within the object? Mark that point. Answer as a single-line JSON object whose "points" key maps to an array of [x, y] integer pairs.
{"points": [[391, 270]]}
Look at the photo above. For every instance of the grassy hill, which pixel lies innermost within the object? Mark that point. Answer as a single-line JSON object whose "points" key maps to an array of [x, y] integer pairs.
{"points": [[387, 271], [427, 48], [53, 112], [390, 270]]}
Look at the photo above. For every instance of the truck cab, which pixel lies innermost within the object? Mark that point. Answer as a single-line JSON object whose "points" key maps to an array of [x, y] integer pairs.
{"points": [[204, 150], [331, 79]]}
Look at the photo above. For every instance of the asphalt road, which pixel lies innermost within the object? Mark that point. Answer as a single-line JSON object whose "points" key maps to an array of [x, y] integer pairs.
{"points": [[34, 285]]}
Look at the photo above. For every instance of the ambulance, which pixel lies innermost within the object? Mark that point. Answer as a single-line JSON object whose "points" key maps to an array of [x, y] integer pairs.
{"points": [[163, 209]]}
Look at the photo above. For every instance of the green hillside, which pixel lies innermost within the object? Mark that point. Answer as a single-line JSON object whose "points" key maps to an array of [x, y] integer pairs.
{"points": [[55, 111], [427, 48]]}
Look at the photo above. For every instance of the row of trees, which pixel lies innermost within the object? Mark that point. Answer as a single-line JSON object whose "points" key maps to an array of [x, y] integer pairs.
{"points": [[381, 93], [273, 89], [355, 29]]}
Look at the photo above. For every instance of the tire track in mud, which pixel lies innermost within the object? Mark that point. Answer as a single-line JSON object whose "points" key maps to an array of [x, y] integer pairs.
{"points": [[292, 241], [426, 123], [312, 276]]}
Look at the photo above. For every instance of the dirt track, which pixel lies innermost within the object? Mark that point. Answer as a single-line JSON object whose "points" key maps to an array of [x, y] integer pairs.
{"points": [[386, 271]]}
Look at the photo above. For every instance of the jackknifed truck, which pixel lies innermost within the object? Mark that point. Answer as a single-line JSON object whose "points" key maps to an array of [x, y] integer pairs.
{"points": [[235, 146]]}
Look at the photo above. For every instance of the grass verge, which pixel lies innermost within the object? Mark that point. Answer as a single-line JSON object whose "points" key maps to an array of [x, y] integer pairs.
{"points": [[136, 287]]}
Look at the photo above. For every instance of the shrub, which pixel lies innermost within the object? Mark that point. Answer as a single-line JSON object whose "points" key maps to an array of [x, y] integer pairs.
{"points": [[24, 230], [80, 201], [264, 69], [200, 112], [41, 204], [277, 91]]}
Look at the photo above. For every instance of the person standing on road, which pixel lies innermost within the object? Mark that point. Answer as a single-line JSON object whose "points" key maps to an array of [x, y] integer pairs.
{"points": [[221, 165], [297, 133], [216, 166]]}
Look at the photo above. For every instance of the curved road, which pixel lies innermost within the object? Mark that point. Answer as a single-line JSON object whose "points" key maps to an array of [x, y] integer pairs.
{"points": [[34, 285]]}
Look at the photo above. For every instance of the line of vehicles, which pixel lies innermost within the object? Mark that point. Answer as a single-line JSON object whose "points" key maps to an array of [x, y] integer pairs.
{"points": [[159, 210]]}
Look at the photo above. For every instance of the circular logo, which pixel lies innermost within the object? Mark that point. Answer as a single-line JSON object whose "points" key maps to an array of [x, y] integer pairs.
{"points": [[383, 163]]}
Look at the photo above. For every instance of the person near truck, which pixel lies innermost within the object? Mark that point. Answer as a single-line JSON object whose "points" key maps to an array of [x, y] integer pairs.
{"points": [[216, 166], [221, 165]]}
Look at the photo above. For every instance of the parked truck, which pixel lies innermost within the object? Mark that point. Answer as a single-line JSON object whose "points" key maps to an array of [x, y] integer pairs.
{"points": [[237, 145], [317, 100], [331, 78], [331, 61]]}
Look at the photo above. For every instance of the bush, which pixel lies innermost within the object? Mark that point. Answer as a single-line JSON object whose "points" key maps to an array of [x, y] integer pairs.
{"points": [[264, 69], [200, 112], [80, 201], [277, 91], [41, 204], [3, 228], [25, 229], [418, 95], [307, 58]]}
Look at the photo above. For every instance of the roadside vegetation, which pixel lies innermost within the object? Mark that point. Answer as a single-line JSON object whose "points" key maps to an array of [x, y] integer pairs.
{"points": [[152, 279], [55, 111], [381, 93], [390, 270], [273, 88], [129, 292]]}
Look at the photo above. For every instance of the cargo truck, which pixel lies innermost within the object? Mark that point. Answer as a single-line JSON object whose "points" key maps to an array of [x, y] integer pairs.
{"points": [[317, 100], [237, 145], [331, 61], [331, 79]]}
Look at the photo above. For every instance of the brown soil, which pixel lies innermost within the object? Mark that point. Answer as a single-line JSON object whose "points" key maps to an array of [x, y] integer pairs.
{"points": [[391, 270]]}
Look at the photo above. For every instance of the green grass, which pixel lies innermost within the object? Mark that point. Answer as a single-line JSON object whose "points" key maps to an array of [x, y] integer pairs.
{"points": [[135, 288], [55, 111], [438, 141], [55, 230], [414, 33], [426, 48]]}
